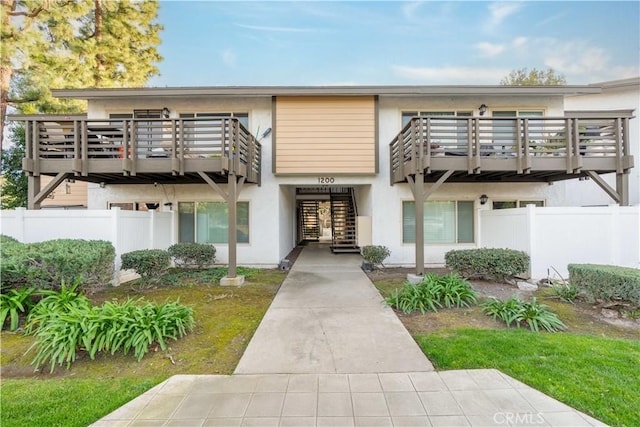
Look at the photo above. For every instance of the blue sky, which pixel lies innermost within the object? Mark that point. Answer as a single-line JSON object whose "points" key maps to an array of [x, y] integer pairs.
{"points": [[209, 43]]}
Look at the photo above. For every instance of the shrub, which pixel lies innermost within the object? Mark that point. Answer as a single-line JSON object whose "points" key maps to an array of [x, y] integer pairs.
{"points": [[150, 264], [193, 254], [606, 282], [515, 311], [495, 264], [375, 254], [13, 302], [67, 323], [47, 264], [432, 292]]}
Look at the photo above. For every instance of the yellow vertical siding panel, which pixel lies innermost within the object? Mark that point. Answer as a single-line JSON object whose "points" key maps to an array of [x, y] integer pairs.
{"points": [[325, 135], [66, 194]]}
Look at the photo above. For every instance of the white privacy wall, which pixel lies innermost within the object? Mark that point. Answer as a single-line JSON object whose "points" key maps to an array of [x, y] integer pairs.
{"points": [[556, 237], [126, 230]]}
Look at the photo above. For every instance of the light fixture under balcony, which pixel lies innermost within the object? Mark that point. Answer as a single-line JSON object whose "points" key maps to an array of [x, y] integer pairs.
{"points": [[483, 199], [482, 109], [166, 113]]}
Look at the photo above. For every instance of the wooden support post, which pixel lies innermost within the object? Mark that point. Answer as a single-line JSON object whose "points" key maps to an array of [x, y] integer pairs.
{"points": [[233, 237], [622, 188], [231, 197], [33, 188], [416, 183]]}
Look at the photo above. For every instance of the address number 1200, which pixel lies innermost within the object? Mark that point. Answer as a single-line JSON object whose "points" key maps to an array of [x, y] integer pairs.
{"points": [[326, 180]]}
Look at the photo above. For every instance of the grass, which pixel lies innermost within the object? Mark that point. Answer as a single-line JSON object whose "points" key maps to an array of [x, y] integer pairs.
{"points": [[226, 319], [592, 366], [66, 402], [596, 375]]}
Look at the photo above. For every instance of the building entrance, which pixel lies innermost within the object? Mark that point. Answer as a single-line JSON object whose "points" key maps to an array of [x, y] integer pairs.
{"points": [[327, 214]]}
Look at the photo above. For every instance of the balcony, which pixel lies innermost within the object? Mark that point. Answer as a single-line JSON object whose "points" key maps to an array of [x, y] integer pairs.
{"points": [[533, 149], [135, 151]]}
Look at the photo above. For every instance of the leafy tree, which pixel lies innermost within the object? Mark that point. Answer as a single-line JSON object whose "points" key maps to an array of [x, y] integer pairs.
{"points": [[533, 77], [13, 182], [72, 44]]}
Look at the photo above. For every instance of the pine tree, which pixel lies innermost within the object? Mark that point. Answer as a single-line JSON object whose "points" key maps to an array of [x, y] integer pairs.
{"points": [[73, 44], [67, 44]]}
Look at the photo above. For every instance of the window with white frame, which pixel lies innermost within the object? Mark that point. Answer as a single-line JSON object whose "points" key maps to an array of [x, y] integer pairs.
{"points": [[444, 222], [510, 204], [208, 222], [243, 118]]}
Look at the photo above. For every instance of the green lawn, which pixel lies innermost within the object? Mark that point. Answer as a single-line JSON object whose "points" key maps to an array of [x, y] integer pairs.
{"points": [[226, 319], [66, 402], [596, 375]]}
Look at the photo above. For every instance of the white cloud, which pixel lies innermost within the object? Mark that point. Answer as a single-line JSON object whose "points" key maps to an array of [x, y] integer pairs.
{"points": [[489, 49], [499, 12], [580, 61], [519, 41], [229, 57], [451, 75]]}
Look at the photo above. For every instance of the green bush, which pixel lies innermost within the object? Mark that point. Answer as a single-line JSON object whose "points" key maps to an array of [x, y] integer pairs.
{"points": [[606, 282], [196, 255], [375, 254], [432, 293], [492, 264], [13, 303], [150, 264], [47, 264], [67, 323], [517, 312]]}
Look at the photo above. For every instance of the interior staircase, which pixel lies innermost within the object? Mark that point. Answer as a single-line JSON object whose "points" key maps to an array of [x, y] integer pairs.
{"points": [[343, 220], [309, 221]]}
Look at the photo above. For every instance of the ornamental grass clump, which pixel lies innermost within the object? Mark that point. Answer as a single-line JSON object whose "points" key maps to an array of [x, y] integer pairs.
{"points": [[13, 304], [517, 312], [66, 323], [433, 292]]}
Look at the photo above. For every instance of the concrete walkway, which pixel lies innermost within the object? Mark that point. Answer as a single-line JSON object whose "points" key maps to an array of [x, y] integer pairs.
{"points": [[329, 318], [329, 353]]}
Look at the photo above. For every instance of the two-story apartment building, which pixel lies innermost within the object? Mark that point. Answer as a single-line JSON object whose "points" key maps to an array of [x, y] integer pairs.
{"points": [[408, 167]]}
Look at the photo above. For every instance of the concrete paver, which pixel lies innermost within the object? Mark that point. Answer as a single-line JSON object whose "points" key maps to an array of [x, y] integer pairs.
{"points": [[329, 353], [480, 405]]}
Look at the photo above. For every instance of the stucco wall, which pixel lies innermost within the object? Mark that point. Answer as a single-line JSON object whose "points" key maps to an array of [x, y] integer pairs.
{"points": [[272, 206]]}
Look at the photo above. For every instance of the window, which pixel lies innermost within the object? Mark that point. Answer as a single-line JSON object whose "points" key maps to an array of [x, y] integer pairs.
{"points": [[444, 222], [136, 206], [207, 222], [408, 115], [510, 204], [243, 118]]}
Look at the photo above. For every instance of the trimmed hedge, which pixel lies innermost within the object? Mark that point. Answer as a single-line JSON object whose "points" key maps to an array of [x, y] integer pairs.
{"points": [[606, 282], [196, 255], [45, 265], [150, 264], [493, 264]]}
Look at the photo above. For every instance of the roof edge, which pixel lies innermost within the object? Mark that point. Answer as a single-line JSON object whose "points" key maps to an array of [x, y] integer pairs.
{"points": [[268, 91]]}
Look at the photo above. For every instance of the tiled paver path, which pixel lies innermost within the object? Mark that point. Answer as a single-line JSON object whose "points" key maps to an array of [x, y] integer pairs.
{"points": [[329, 353]]}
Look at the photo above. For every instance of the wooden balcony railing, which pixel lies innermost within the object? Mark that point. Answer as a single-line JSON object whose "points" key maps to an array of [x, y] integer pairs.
{"points": [[567, 145], [139, 146]]}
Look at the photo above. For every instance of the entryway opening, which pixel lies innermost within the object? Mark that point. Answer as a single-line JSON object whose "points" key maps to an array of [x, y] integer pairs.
{"points": [[327, 215]]}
